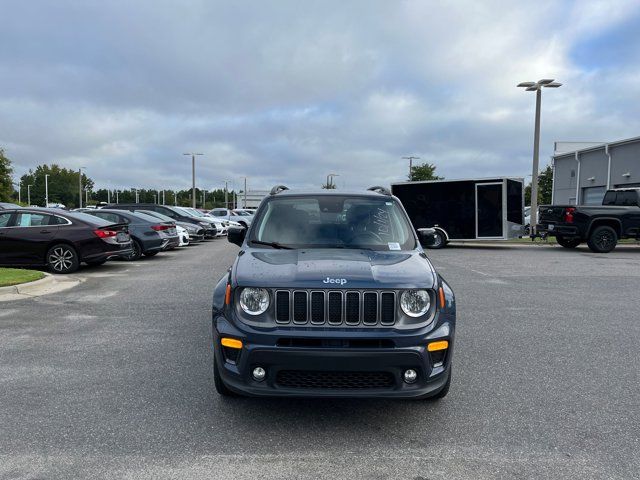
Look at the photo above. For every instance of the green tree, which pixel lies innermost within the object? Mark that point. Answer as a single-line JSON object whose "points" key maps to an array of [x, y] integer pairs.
{"points": [[426, 171], [63, 185], [545, 187], [6, 180]]}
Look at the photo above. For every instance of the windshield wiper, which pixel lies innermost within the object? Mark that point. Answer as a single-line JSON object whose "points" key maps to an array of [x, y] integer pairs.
{"points": [[272, 244]]}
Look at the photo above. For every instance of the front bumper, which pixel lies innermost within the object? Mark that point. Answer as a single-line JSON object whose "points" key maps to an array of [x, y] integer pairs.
{"points": [[402, 351]]}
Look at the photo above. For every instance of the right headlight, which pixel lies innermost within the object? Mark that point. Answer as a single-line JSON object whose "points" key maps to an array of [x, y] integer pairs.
{"points": [[254, 301], [415, 303], [203, 224]]}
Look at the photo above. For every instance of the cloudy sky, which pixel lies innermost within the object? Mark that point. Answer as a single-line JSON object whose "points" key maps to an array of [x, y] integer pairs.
{"points": [[289, 91]]}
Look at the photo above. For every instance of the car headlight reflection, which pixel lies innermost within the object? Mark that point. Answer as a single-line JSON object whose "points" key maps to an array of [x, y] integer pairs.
{"points": [[254, 301], [415, 303]]}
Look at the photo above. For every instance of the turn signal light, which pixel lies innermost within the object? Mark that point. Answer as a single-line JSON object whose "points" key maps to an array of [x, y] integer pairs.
{"points": [[436, 346], [441, 296], [231, 343], [227, 295]]}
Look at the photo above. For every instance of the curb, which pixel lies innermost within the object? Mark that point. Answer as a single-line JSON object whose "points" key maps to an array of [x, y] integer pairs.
{"points": [[44, 286], [25, 287]]}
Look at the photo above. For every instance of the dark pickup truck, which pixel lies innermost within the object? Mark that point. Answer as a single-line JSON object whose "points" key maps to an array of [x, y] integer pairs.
{"points": [[599, 225]]}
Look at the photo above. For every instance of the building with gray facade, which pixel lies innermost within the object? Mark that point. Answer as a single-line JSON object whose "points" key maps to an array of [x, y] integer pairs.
{"points": [[581, 176]]}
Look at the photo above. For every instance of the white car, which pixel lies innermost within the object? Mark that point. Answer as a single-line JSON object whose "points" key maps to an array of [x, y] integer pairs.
{"points": [[222, 226], [183, 235]]}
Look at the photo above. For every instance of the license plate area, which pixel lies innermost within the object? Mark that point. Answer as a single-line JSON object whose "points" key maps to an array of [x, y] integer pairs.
{"points": [[122, 237]]}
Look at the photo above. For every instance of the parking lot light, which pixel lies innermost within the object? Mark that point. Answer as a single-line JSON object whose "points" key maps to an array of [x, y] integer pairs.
{"points": [[536, 87]]}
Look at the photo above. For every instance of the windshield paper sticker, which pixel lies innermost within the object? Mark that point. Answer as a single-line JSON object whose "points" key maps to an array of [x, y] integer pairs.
{"points": [[394, 246]]}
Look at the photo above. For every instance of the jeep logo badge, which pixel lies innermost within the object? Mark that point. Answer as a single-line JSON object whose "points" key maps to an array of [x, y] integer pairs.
{"points": [[341, 281]]}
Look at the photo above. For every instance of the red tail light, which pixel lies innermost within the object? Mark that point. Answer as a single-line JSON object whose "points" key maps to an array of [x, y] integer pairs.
{"points": [[568, 214], [105, 233], [159, 228]]}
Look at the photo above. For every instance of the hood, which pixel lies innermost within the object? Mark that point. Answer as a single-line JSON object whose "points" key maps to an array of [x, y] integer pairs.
{"points": [[333, 268]]}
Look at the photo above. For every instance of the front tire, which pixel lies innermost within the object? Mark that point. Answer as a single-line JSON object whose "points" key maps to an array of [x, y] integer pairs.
{"points": [[137, 252], [62, 259], [439, 241], [602, 239], [443, 392], [221, 388], [567, 242]]}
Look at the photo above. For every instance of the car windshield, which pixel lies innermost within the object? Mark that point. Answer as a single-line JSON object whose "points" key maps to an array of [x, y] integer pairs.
{"points": [[334, 221], [241, 213]]}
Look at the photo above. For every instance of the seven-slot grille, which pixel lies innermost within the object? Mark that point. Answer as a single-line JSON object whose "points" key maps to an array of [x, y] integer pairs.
{"points": [[350, 307]]}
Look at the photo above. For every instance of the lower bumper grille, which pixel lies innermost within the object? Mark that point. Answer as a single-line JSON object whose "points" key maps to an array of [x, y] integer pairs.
{"points": [[334, 380]]}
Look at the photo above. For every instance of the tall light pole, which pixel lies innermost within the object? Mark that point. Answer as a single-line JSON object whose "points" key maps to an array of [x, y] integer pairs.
{"points": [[226, 194], [29, 195], [80, 186], [193, 176], [411, 158], [245, 193], [536, 87], [330, 179], [46, 191], [117, 196]]}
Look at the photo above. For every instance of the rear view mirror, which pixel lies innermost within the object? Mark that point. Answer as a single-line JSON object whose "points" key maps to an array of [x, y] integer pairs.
{"points": [[236, 235], [427, 235]]}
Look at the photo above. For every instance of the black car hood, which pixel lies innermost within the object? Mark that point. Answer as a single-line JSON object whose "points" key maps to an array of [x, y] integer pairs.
{"points": [[333, 268]]}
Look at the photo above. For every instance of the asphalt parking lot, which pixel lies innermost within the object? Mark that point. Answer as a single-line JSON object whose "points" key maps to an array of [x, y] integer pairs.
{"points": [[112, 379]]}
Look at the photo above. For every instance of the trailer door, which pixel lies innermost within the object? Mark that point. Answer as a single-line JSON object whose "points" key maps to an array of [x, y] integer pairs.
{"points": [[489, 210]]}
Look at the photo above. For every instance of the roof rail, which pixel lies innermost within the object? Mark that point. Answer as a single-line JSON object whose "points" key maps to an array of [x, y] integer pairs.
{"points": [[380, 190], [277, 189]]}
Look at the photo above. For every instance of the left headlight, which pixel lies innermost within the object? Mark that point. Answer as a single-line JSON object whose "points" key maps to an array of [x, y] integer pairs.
{"points": [[254, 301], [415, 303]]}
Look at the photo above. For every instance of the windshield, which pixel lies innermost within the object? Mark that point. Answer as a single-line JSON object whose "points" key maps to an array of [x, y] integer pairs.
{"points": [[334, 221], [241, 213]]}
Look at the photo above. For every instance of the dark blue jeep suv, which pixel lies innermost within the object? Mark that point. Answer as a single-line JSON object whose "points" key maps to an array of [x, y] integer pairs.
{"points": [[331, 295]]}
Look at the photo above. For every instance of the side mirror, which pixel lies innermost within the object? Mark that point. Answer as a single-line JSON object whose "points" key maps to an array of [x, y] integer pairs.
{"points": [[427, 235], [236, 235]]}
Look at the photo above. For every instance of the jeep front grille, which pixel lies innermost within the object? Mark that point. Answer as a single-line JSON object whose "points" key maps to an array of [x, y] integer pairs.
{"points": [[350, 307]]}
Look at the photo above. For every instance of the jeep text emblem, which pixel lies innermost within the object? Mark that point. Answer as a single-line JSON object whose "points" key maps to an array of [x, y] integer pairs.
{"points": [[341, 281]]}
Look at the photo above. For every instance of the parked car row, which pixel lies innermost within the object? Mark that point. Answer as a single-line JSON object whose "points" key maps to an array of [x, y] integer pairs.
{"points": [[61, 240]]}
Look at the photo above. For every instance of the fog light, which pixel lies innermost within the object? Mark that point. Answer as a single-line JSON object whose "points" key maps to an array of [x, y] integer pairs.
{"points": [[410, 376], [259, 373]]}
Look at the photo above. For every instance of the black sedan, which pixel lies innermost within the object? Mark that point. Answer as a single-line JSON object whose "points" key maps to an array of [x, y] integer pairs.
{"points": [[58, 239], [148, 234]]}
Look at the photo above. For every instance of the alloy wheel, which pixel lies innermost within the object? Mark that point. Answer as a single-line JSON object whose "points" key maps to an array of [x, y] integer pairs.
{"points": [[604, 240], [61, 259]]}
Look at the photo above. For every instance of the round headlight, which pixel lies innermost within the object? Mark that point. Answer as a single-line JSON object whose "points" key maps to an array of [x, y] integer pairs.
{"points": [[254, 301], [415, 303]]}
